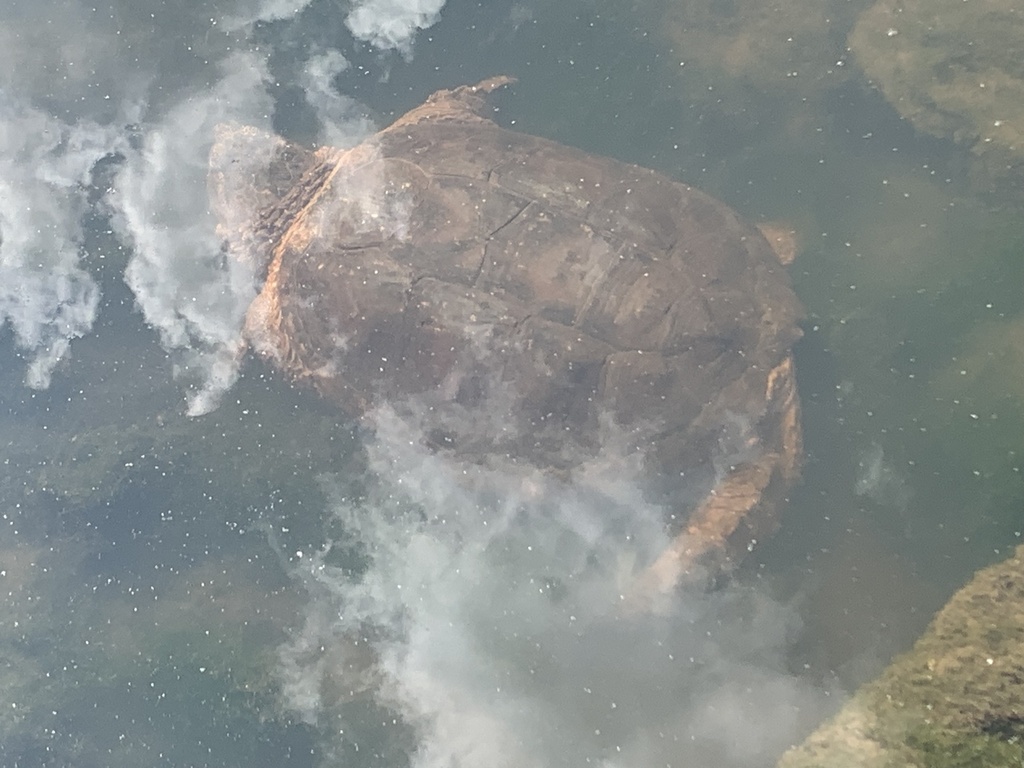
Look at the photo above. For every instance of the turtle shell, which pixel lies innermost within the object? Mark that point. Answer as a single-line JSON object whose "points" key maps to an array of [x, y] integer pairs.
{"points": [[529, 300]]}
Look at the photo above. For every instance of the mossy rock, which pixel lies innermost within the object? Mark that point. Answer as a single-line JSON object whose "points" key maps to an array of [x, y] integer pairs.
{"points": [[956, 699], [952, 68], [762, 44]]}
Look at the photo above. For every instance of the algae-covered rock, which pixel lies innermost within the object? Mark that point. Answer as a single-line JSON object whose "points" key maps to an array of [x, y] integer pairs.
{"points": [[951, 67], [747, 72], [979, 394], [989, 365], [766, 45], [260, 441], [956, 699], [78, 663]]}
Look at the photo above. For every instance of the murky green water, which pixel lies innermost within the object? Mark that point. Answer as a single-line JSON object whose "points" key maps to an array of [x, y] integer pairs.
{"points": [[166, 577]]}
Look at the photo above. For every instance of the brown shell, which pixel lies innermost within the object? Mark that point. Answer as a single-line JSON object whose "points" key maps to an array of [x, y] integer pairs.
{"points": [[529, 298]]}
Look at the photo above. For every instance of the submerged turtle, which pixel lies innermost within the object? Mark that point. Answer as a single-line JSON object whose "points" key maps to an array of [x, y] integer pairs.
{"points": [[530, 301]]}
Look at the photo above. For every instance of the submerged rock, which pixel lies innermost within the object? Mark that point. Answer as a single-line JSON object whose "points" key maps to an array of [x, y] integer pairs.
{"points": [[952, 68], [954, 700], [763, 45]]}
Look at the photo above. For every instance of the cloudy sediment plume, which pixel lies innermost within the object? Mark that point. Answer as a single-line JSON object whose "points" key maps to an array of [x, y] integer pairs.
{"points": [[392, 24], [183, 282], [245, 13], [494, 602], [342, 119], [47, 296]]}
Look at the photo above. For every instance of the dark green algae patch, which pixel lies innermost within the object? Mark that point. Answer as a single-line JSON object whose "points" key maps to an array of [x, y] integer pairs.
{"points": [[956, 699]]}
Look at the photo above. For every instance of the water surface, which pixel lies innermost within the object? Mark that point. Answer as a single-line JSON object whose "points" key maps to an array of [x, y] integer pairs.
{"points": [[255, 583]]}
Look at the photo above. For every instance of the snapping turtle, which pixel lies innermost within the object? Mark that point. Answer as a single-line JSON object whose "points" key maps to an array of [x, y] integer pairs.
{"points": [[530, 300]]}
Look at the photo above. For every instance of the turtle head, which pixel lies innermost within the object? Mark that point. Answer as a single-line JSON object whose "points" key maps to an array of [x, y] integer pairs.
{"points": [[251, 170]]}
